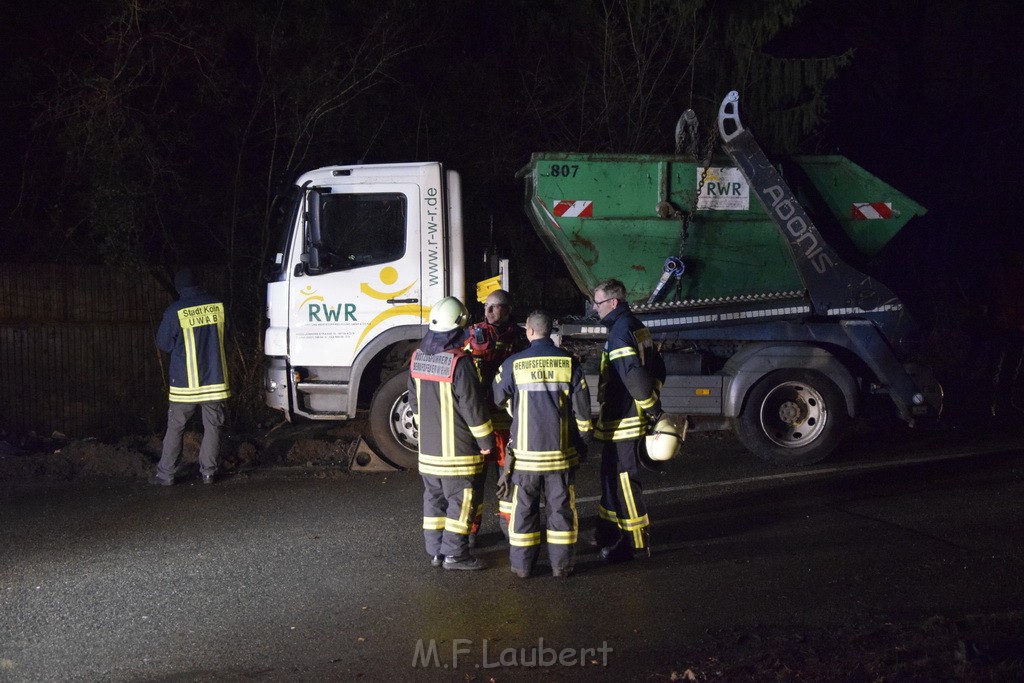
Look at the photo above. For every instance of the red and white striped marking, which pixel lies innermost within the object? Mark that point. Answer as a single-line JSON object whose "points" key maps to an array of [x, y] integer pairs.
{"points": [[573, 209], [870, 211]]}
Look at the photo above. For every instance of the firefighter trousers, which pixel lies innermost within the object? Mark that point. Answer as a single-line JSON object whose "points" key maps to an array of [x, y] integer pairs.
{"points": [[496, 460], [622, 514], [448, 505], [558, 492]]}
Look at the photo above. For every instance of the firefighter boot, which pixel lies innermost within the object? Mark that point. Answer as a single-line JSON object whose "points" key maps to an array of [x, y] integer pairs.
{"points": [[467, 563], [620, 551]]}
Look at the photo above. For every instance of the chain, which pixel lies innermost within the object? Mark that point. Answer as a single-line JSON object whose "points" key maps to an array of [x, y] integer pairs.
{"points": [[684, 231]]}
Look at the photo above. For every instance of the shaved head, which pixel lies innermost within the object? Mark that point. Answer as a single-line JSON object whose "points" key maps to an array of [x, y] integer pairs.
{"points": [[498, 307]]}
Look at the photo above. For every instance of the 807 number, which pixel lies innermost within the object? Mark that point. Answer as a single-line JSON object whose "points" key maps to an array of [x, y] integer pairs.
{"points": [[564, 170]]}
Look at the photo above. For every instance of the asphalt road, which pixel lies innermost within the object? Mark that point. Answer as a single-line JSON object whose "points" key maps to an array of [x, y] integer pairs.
{"points": [[277, 576]]}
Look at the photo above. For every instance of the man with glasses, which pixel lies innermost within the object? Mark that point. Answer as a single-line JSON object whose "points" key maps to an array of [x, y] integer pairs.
{"points": [[632, 372], [490, 342]]}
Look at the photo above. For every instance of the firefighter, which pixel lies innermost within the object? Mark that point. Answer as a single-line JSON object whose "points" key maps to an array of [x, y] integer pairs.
{"points": [[632, 372], [455, 435], [550, 406], [192, 331], [490, 342]]}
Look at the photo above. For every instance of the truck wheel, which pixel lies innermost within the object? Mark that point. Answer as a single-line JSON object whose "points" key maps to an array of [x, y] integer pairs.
{"points": [[391, 423], [792, 417]]}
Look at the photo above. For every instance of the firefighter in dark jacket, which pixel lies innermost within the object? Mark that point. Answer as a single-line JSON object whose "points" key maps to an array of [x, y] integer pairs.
{"points": [[192, 331], [490, 342], [632, 372], [455, 434], [550, 406]]}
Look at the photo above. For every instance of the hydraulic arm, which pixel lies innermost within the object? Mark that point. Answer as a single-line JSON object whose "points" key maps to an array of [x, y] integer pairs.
{"points": [[830, 282]]}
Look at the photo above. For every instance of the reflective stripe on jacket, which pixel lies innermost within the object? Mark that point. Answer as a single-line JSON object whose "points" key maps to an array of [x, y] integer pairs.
{"points": [[632, 372], [547, 391], [192, 331], [454, 424]]}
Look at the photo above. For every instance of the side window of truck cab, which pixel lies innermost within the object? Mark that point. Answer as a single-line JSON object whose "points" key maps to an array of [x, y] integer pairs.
{"points": [[360, 230]]}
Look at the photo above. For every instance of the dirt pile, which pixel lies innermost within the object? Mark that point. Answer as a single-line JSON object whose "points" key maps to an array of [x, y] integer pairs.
{"points": [[75, 460], [36, 460]]}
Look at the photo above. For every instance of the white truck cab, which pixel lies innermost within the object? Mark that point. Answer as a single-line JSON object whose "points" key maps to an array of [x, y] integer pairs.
{"points": [[365, 252]]}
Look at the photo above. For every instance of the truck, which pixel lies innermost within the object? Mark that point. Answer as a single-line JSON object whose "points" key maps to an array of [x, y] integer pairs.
{"points": [[741, 268]]}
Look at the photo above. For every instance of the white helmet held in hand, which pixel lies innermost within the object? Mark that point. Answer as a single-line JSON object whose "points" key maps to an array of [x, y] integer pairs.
{"points": [[664, 440], [448, 314]]}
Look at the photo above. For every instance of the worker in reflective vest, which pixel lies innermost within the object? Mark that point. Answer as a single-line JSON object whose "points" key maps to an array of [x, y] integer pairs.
{"points": [[455, 434], [192, 331], [632, 372], [550, 405], [490, 342]]}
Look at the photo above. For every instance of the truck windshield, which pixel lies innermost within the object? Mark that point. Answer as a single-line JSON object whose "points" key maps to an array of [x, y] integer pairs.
{"points": [[361, 229]]}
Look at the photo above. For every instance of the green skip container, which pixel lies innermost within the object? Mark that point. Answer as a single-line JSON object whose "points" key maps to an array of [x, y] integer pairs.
{"points": [[621, 216]]}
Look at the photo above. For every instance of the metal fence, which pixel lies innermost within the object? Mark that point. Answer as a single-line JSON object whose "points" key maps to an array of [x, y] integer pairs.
{"points": [[77, 352]]}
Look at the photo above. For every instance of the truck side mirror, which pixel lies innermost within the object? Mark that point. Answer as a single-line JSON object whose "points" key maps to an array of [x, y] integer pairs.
{"points": [[311, 220]]}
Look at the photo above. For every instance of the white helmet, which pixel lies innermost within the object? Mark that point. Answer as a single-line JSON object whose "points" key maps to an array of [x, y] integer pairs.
{"points": [[448, 314], [664, 440]]}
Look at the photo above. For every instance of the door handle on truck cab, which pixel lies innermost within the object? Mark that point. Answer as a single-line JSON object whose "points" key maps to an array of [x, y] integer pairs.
{"points": [[403, 301]]}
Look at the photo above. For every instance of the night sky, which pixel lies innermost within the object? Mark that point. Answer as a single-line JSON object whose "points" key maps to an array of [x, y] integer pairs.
{"points": [[931, 104]]}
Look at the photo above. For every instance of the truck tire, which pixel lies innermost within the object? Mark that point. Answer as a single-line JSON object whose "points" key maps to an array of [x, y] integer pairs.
{"points": [[391, 423], [792, 417]]}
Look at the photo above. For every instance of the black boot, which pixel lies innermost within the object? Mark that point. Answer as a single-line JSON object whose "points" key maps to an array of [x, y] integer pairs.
{"points": [[620, 551]]}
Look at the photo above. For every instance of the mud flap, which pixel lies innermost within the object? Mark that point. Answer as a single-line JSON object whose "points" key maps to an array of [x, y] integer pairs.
{"points": [[366, 460]]}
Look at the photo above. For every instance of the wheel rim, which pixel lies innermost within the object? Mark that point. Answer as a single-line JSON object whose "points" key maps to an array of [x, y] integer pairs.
{"points": [[402, 425], [793, 415]]}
